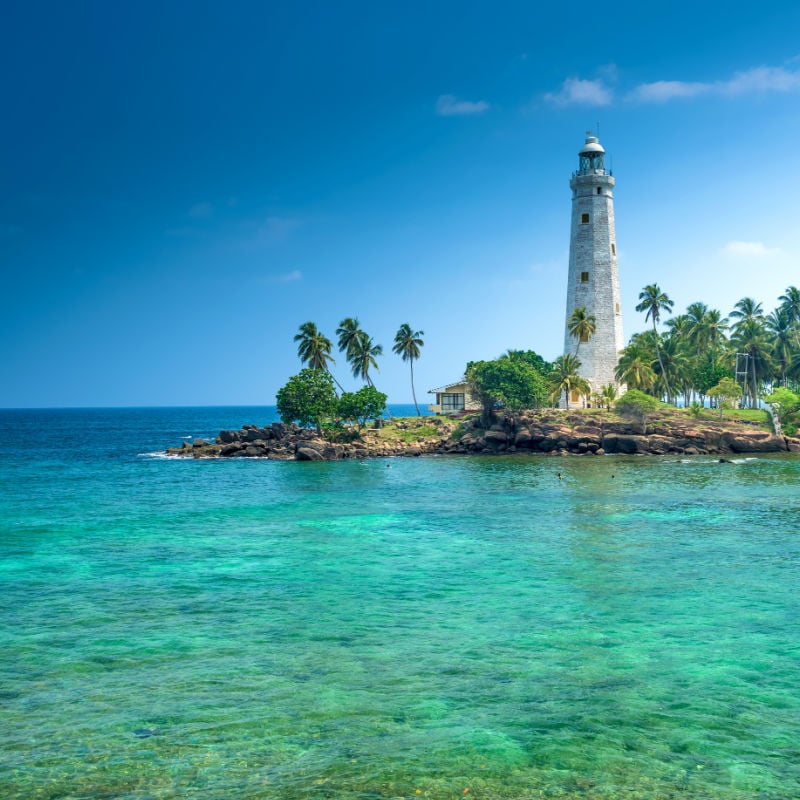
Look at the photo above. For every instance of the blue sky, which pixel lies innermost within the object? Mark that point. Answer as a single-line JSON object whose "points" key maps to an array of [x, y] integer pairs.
{"points": [[183, 184]]}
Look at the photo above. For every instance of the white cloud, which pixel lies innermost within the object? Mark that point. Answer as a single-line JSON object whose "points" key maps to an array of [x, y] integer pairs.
{"points": [[752, 81], [661, 91], [575, 91], [290, 277], [737, 249], [449, 105]]}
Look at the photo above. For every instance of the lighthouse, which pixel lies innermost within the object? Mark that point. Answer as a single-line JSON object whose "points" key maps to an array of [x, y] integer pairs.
{"points": [[593, 281]]}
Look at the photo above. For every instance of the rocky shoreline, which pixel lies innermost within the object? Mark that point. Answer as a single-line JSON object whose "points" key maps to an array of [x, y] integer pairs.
{"points": [[548, 432]]}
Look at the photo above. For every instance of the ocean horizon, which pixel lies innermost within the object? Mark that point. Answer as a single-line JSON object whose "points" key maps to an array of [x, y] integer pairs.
{"points": [[504, 627]]}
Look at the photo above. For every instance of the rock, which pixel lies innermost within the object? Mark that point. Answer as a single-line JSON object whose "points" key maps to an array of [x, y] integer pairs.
{"points": [[627, 445], [226, 437], [229, 449], [758, 443], [199, 443], [494, 436], [305, 453]]}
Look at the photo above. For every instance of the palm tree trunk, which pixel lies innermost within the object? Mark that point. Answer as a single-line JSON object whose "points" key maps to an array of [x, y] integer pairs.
{"points": [[658, 354], [413, 392]]}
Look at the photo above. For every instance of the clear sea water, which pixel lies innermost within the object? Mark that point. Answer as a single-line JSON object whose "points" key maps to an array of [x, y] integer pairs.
{"points": [[431, 627]]}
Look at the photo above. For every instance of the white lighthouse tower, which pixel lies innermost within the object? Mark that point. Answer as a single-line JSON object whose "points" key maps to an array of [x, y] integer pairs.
{"points": [[593, 281]]}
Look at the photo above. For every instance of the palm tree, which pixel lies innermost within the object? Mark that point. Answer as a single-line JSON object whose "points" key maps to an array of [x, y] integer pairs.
{"points": [[790, 303], [609, 395], [653, 302], [581, 326], [674, 364], [780, 327], [716, 325], [747, 309], [407, 344], [362, 356], [348, 332], [565, 378], [634, 367], [750, 337], [314, 349]]}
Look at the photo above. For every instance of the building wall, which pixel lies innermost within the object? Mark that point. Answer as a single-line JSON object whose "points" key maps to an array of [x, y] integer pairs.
{"points": [[593, 251]]}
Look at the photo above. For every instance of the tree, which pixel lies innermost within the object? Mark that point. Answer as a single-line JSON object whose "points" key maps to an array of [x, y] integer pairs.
{"points": [[348, 332], [407, 344], [608, 395], [564, 379], [638, 405], [750, 337], [314, 348], [507, 383], [780, 327], [361, 406], [362, 356], [634, 367], [790, 303], [653, 302], [581, 326], [726, 392], [530, 357], [308, 398]]}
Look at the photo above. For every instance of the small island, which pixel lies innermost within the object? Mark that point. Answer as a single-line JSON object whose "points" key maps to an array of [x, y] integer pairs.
{"points": [[555, 432]]}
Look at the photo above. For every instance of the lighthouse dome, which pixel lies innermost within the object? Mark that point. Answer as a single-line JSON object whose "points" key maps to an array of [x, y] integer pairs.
{"points": [[591, 146]]}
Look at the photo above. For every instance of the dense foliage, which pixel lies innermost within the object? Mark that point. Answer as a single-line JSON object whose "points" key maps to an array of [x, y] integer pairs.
{"points": [[362, 406], [308, 398], [700, 347], [638, 405], [508, 382]]}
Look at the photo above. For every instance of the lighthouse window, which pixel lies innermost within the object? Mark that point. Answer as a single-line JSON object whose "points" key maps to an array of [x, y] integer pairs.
{"points": [[617, 308], [613, 249], [599, 191], [584, 277], [584, 219]]}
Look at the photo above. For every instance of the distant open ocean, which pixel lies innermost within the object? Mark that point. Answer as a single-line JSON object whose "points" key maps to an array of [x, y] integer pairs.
{"points": [[441, 628]]}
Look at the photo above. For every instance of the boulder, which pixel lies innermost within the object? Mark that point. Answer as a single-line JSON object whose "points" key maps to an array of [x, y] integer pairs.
{"points": [[493, 436], [226, 437], [625, 444], [306, 453], [756, 443]]}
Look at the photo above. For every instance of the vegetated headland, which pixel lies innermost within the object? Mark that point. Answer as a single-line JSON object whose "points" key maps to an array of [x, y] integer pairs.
{"points": [[581, 432]]}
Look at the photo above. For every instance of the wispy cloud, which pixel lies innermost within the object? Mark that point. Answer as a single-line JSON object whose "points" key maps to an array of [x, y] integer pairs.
{"points": [[575, 91], [758, 80], [288, 277], [600, 90], [737, 249], [449, 105]]}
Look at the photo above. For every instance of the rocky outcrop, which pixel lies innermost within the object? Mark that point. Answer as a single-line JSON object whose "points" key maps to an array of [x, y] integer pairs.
{"points": [[549, 432]]}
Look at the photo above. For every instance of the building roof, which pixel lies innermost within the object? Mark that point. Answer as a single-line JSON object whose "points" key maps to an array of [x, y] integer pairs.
{"points": [[447, 386]]}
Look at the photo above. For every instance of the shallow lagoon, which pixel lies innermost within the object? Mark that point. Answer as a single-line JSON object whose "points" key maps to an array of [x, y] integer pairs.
{"points": [[402, 628]]}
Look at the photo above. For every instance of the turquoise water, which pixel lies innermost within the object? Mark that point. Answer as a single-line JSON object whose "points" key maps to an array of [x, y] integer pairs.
{"points": [[403, 628]]}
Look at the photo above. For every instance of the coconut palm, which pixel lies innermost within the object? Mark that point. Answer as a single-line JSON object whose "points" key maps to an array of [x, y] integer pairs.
{"points": [[750, 337], [781, 330], [348, 332], [634, 367], [609, 395], [314, 349], [745, 310], [407, 344], [581, 326], [564, 378], [362, 356], [653, 302], [790, 303]]}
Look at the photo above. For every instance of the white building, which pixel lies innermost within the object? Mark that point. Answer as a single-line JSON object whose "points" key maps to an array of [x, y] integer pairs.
{"points": [[593, 280]]}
